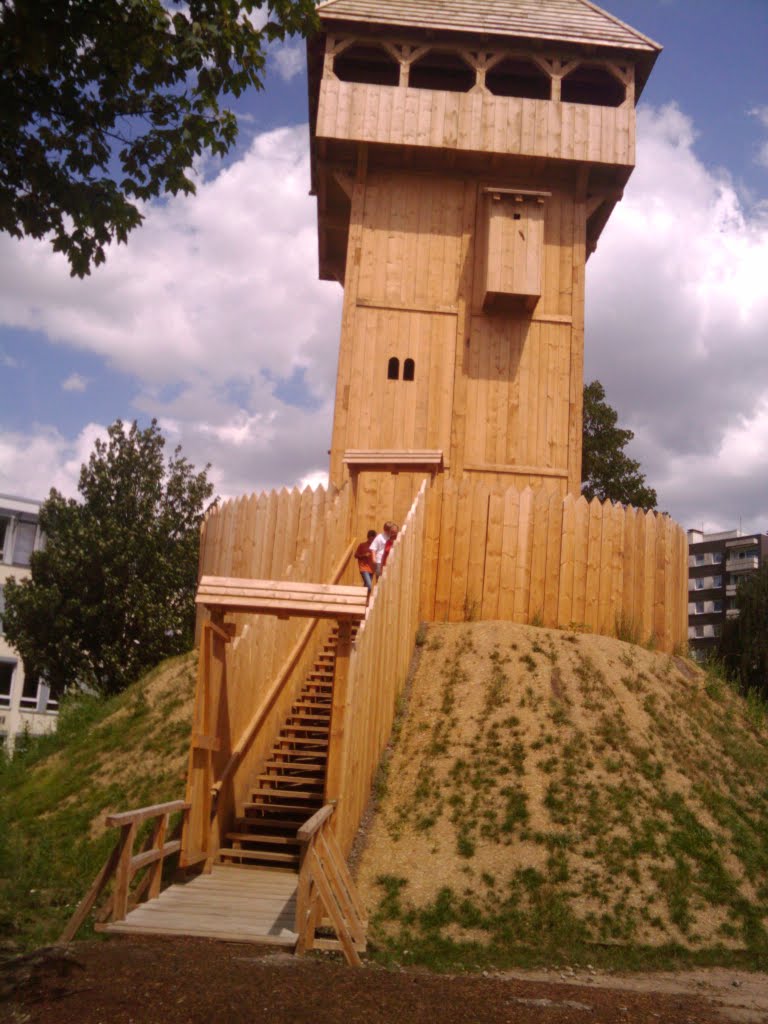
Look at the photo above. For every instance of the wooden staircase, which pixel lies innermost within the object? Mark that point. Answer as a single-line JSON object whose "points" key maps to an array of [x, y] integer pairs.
{"points": [[291, 787]]}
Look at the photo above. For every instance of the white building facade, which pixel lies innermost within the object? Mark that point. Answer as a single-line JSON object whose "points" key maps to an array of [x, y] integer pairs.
{"points": [[25, 703]]}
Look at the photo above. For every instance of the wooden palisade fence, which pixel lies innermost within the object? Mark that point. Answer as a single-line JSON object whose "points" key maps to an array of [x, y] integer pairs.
{"points": [[533, 557]]}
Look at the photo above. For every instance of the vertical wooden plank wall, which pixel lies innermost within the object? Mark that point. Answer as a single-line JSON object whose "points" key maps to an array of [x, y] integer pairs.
{"points": [[378, 670], [533, 557]]}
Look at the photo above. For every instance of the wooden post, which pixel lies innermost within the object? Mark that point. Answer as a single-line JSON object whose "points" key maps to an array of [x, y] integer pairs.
{"points": [[123, 873], [156, 869]]}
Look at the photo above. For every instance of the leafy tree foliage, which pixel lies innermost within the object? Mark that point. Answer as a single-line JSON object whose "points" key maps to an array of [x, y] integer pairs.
{"points": [[113, 591], [109, 101], [607, 472], [744, 643]]}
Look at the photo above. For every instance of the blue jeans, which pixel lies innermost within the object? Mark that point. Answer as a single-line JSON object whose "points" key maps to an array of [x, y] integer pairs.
{"points": [[367, 579]]}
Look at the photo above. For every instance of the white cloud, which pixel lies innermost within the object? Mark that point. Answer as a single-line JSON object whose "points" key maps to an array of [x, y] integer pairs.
{"points": [[31, 464], [289, 60], [75, 382], [215, 300], [761, 113], [677, 325]]}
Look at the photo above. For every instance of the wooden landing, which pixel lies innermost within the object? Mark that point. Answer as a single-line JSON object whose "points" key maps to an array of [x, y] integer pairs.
{"points": [[233, 903]]}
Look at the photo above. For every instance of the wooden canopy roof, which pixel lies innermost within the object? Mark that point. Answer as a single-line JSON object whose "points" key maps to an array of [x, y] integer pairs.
{"points": [[578, 24], [567, 21]]}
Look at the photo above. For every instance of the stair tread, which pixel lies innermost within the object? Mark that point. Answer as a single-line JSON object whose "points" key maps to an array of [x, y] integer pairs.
{"points": [[285, 824], [283, 858], [306, 744], [292, 780], [293, 808], [262, 837], [284, 793]]}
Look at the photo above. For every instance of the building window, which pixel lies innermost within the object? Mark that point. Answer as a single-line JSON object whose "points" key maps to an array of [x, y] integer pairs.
{"points": [[698, 631], [717, 581], [717, 629], [699, 606], [29, 694], [5, 535], [700, 559], [717, 557], [409, 369], [393, 369], [24, 543], [699, 583], [717, 606], [7, 669]]}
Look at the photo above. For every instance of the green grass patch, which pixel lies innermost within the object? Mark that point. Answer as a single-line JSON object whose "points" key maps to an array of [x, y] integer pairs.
{"points": [[52, 791]]}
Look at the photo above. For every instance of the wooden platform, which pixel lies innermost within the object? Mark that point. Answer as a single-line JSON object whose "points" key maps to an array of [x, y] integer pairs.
{"points": [[283, 598], [234, 903]]}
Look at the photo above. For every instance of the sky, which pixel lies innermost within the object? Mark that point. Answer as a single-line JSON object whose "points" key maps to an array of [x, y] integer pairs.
{"points": [[212, 319]]}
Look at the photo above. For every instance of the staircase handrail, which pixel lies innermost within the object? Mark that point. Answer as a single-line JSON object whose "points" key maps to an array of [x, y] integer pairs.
{"points": [[124, 864], [251, 730], [326, 884]]}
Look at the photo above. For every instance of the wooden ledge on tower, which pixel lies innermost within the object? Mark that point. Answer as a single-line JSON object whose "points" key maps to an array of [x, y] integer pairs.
{"points": [[395, 460], [282, 598]]}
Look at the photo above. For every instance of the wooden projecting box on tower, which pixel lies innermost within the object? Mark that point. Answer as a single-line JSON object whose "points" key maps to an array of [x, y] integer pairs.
{"points": [[465, 158]]}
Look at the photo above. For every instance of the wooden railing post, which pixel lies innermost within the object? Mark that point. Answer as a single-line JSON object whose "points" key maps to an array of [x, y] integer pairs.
{"points": [[156, 869], [123, 872]]}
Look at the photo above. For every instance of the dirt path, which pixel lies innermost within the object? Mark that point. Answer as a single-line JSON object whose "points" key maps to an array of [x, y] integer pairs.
{"points": [[182, 981]]}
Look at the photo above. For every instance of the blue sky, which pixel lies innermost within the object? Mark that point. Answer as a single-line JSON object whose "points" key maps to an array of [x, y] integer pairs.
{"points": [[212, 320]]}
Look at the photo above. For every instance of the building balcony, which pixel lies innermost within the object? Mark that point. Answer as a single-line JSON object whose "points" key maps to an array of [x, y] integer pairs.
{"points": [[742, 564], [730, 590], [732, 613]]}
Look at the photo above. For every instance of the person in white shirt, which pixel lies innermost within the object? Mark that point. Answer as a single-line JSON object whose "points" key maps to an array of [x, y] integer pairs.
{"points": [[378, 544]]}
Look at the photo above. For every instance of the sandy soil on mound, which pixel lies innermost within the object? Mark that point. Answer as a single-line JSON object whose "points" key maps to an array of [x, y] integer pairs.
{"points": [[600, 748]]}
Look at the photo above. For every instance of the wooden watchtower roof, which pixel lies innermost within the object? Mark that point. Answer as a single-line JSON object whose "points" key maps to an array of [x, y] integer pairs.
{"points": [[576, 22]]}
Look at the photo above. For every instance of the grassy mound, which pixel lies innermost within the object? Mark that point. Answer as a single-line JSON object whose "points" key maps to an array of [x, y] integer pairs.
{"points": [[107, 756], [553, 795]]}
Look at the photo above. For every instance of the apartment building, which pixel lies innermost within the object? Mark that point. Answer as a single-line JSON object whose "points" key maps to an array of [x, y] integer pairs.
{"points": [[716, 564], [25, 703]]}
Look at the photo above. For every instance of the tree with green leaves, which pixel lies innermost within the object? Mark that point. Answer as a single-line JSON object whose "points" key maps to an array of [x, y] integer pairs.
{"points": [[107, 103], [607, 472], [112, 592], [743, 647]]}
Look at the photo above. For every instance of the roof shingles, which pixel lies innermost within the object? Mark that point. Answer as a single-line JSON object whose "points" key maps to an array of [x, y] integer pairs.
{"points": [[568, 21]]}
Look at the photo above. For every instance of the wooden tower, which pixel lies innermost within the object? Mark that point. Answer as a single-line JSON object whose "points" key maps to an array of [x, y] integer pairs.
{"points": [[465, 159]]}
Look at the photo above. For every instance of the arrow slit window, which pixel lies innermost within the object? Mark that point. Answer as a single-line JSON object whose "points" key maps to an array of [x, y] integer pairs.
{"points": [[514, 243]]}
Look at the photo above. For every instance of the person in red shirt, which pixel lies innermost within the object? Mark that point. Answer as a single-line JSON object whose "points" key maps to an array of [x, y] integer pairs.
{"points": [[364, 558], [390, 541]]}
